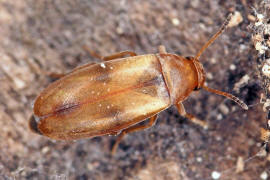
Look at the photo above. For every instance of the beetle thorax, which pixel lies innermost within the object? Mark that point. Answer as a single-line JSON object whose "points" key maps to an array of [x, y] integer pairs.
{"points": [[180, 74]]}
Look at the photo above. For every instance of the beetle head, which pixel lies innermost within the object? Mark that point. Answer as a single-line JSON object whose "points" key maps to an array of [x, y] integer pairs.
{"points": [[200, 73]]}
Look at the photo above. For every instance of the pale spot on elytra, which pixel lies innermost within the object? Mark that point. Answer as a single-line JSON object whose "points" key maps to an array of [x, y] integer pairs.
{"points": [[102, 65]]}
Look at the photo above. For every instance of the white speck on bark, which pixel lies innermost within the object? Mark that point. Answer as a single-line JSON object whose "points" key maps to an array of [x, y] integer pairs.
{"points": [[215, 175]]}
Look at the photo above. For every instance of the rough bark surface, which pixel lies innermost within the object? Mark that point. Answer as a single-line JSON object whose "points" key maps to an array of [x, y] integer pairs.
{"points": [[37, 37]]}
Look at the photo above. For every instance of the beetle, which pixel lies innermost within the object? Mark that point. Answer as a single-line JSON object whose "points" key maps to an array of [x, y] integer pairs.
{"points": [[112, 97]]}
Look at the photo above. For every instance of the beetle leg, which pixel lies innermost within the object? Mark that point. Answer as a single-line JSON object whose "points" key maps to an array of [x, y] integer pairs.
{"points": [[110, 57], [162, 49], [114, 133], [151, 122], [54, 75], [119, 55], [182, 112]]}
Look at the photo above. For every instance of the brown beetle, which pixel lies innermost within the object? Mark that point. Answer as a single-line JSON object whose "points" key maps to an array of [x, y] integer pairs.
{"points": [[111, 97]]}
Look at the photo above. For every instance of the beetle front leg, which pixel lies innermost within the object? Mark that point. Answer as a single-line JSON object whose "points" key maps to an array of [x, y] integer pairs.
{"points": [[151, 122], [110, 57], [181, 109]]}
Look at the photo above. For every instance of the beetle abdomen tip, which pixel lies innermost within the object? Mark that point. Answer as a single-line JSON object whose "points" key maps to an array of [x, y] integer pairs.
{"points": [[33, 124]]}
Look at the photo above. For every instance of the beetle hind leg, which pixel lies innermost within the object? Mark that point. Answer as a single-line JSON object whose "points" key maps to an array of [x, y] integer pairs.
{"points": [[151, 122], [54, 75], [181, 109], [110, 57]]}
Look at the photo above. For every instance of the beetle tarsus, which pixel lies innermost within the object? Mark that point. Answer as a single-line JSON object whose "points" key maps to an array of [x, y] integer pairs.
{"points": [[182, 112], [119, 55], [91, 52], [54, 75], [110, 57]]}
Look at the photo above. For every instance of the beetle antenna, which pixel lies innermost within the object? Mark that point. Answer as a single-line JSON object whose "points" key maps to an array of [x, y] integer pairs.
{"points": [[227, 95], [214, 37]]}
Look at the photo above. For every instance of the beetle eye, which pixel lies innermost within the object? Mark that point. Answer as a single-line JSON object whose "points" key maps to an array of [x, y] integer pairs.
{"points": [[189, 58]]}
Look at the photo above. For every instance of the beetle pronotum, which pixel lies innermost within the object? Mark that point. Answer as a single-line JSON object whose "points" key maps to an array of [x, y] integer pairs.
{"points": [[111, 97]]}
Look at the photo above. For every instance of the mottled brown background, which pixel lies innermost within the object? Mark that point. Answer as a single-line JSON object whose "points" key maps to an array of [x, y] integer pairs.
{"points": [[47, 36]]}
